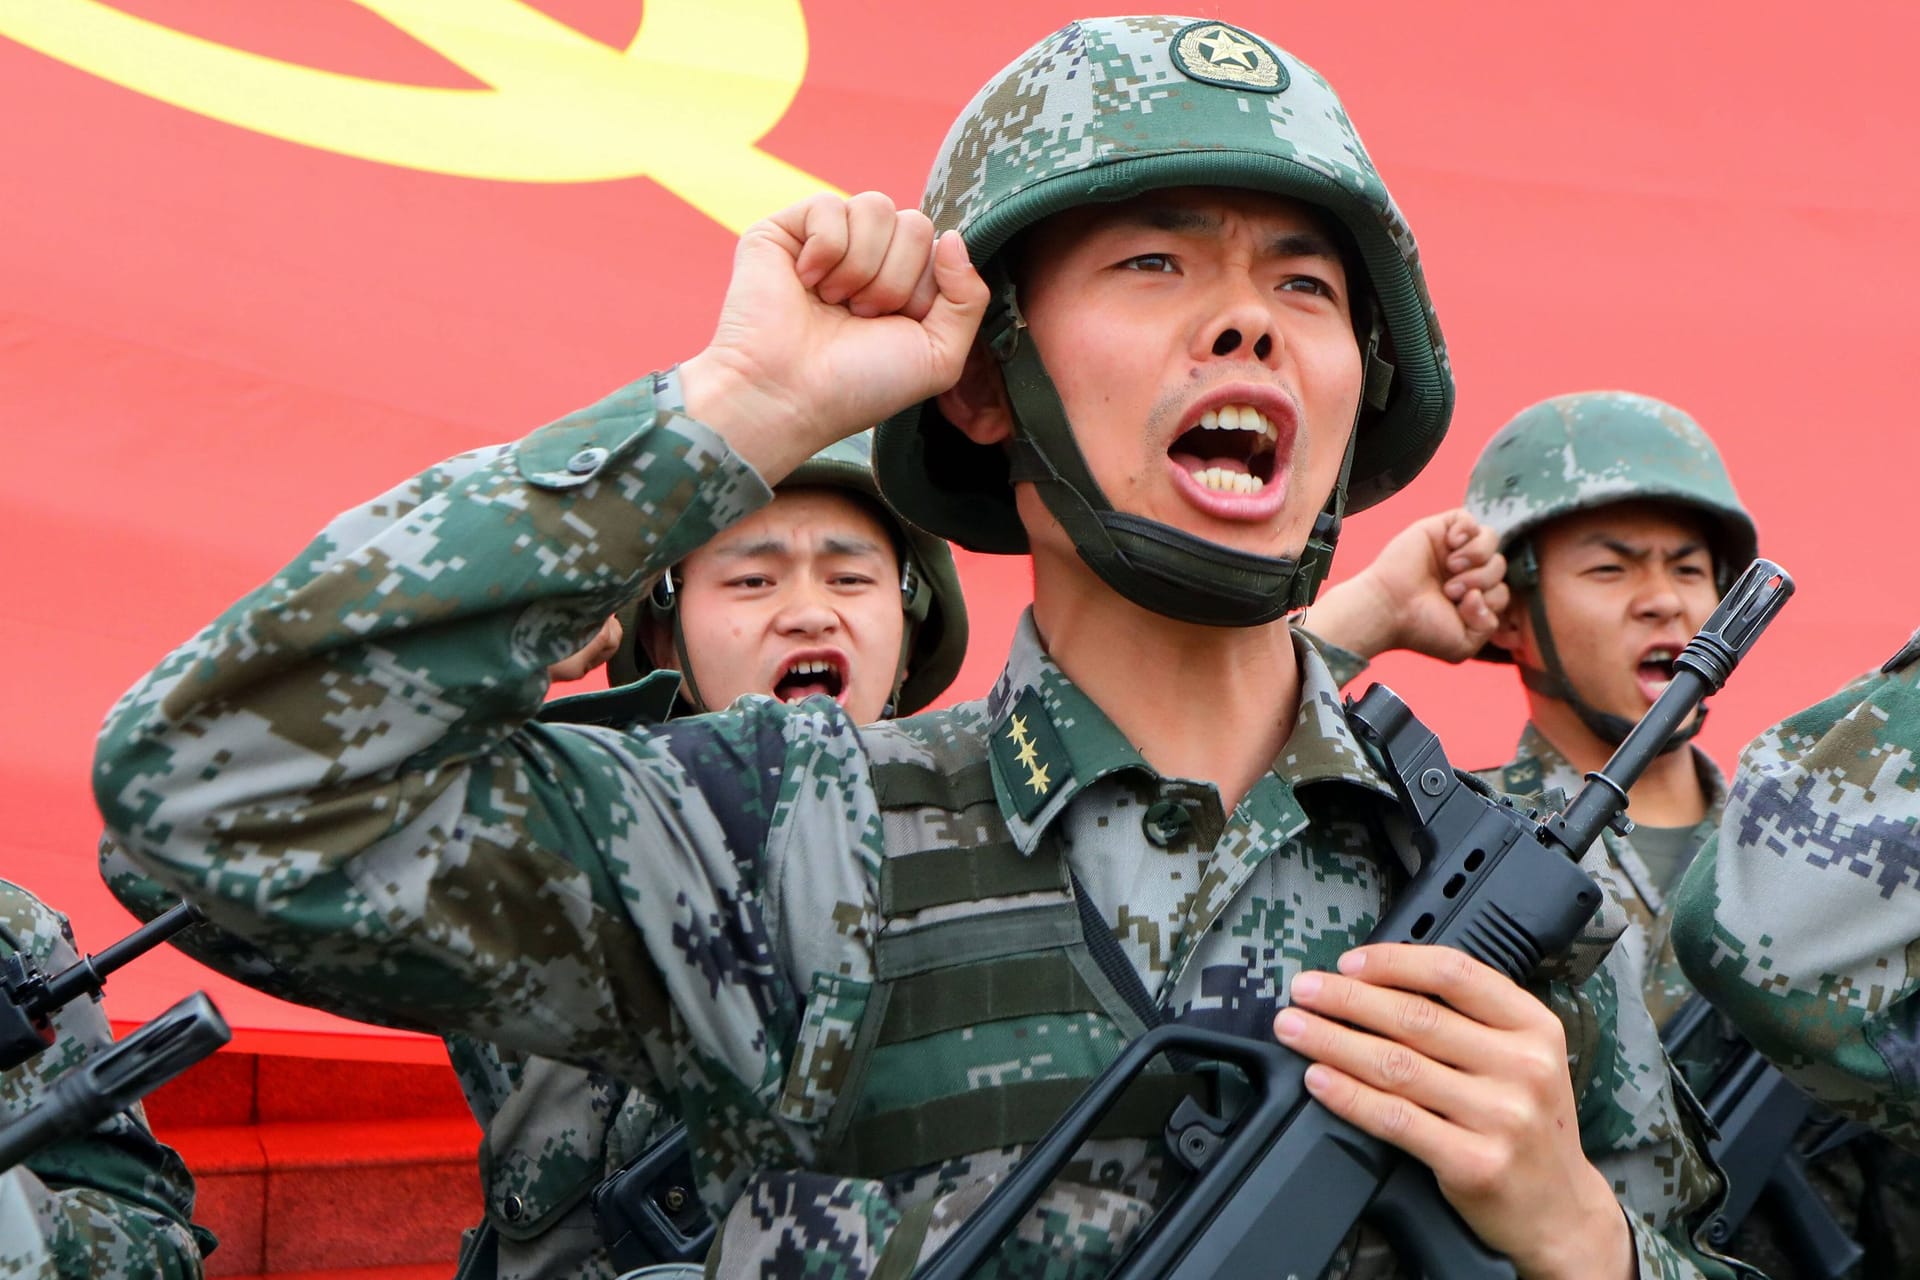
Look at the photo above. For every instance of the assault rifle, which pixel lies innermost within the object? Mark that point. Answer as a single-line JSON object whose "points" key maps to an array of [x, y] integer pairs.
{"points": [[28, 997], [1758, 1113], [114, 1079], [1277, 1186]]}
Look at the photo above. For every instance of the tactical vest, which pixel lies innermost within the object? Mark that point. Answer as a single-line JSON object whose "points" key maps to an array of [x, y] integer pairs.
{"points": [[981, 956]]}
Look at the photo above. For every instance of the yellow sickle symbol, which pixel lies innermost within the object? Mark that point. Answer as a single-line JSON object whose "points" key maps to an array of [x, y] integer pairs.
{"points": [[685, 103]]}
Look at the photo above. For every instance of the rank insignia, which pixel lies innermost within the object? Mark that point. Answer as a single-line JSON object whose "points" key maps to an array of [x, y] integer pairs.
{"points": [[1218, 53], [1028, 755]]}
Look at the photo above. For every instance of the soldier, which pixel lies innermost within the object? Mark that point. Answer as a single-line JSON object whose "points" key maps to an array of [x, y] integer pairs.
{"points": [[114, 1202], [1621, 530], [822, 591], [1800, 923], [857, 956]]}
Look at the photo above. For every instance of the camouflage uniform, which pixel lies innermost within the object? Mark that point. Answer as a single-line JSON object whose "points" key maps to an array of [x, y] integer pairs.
{"points": [[114, 1202], [1801, 923], [23, 1250], [343, 769]]}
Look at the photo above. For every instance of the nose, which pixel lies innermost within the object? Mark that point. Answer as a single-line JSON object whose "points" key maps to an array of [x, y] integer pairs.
{"points": [[1241, 326], [805, 610], [1659, 598]]}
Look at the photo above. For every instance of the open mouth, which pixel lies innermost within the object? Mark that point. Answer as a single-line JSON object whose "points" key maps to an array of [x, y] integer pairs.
{"points": [[804, 675], [1231, 450], [1655, 671]]}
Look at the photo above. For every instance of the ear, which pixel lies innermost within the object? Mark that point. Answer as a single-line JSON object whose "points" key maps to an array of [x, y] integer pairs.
{"points": [[977, 404], [656, 641], [1515, 632]]}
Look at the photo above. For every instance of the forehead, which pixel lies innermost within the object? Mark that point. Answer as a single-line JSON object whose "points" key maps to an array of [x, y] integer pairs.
{"points": [[1639, 523], [802, 519], [1189, 210]]}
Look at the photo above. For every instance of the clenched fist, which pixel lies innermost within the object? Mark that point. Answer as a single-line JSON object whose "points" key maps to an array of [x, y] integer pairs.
{"points": [[840, 313]]}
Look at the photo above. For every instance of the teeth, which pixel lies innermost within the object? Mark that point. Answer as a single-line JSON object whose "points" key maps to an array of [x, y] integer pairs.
{"points": [[812, 667], [1224, 481], [1658, 655], [1239, 417]]}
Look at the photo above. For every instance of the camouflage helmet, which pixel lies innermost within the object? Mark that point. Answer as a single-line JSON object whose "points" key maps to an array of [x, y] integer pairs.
{"points": [[1593, 449], [1104, 110], [1582, 452], [935, 639]]}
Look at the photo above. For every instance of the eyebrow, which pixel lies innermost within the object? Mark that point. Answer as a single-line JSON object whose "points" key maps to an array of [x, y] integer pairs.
{"points": [[1628, 552], [1175, 218], [764, 547]]}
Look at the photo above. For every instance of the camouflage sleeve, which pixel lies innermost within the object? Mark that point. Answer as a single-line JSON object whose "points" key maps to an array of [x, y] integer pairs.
{"points": [[341, 771], [114, 1201], [1637, 1127], [1802, 922]]}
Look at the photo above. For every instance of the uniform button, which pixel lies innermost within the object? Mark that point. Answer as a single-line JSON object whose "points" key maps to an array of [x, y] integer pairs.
{"points": [[513, 1206], [1165, 821], [587, 461]]}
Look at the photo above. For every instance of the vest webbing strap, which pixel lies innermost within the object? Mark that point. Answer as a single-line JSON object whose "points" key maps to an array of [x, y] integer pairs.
{"points": [[901, 785], [904, 1242], [974, 938], [1017, 987], [1011, 1114], [939, 877]]}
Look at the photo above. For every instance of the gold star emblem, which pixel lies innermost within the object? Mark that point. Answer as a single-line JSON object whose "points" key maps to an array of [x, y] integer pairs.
{"points": [[1018, 733], [1038, 779], [1223, 46], [1028, 753]]}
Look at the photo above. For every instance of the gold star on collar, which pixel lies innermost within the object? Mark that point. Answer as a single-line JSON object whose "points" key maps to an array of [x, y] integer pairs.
{"points": [[1037, 779], [1017, 733]]}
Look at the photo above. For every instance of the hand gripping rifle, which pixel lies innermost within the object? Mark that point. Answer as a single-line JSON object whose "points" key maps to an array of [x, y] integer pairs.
{"points": [[1278, 1186], [1757, 1114], [117, 1077], [28, 997]]}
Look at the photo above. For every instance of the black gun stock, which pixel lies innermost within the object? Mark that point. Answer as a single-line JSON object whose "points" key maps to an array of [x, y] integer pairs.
{"points": [[116, 1078], [28, 997], [1279, 1185]]}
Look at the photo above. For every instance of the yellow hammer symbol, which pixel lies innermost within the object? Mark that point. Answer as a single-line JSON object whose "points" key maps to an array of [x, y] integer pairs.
{"points": [[685, 104]]}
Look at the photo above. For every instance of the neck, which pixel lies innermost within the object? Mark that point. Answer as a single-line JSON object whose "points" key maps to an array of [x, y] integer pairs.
{"points": [[1211, 704], [1669, 792]]}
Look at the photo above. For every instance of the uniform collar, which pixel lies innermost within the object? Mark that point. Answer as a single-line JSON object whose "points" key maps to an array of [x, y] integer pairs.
{"points": [[1048, 741], [1555, 770]]}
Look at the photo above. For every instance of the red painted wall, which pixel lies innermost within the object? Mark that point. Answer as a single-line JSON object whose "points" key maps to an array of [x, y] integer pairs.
{"points": [[212, 339]]}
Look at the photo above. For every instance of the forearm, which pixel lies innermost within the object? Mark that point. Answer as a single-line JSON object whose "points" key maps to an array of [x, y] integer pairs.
{"points": [[338, 769], [1799, 922]]}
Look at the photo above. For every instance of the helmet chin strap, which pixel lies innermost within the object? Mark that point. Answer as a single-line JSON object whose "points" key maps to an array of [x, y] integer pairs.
{"points": [[1156, 566], [666, 599], [1552, 682]]}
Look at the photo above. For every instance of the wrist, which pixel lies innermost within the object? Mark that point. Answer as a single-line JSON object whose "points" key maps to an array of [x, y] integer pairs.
{"points": [[734, 404], [1600, 1246], [1357, 615]]}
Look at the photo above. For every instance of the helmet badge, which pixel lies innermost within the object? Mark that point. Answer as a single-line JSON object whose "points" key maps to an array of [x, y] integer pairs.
{"points": [[1216, 53]]}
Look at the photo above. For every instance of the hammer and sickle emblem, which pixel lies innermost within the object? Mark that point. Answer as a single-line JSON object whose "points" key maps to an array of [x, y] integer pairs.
{"points": [[684, 104]]}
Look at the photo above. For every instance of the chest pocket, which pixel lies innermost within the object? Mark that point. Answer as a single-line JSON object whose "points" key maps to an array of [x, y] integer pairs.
{"points": [[988, 1015]]}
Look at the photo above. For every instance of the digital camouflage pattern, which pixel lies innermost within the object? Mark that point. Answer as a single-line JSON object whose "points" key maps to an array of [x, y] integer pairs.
{"points": [[1803, 923], [1595, 448], [23, 1250], [344, 770], [111, 1203]]}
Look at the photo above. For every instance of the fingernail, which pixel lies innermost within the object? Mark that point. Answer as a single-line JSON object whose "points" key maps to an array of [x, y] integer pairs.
{"points": [[1306, 986], [1353, 962], [1318, 1077], [1289, 1025]]}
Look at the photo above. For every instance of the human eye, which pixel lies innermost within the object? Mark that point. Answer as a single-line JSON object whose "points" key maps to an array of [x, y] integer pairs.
{"points": [[1155, 263], [1308, 284], [750, 581]]}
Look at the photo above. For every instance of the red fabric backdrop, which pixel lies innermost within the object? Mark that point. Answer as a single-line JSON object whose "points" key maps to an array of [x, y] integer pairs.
{"points": [[213, 337]]}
